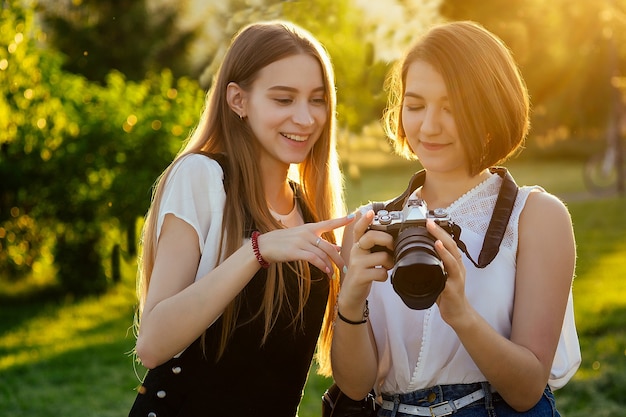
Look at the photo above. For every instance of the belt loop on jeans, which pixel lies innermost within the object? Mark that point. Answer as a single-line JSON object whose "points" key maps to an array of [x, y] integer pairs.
{"points": [[488, 389]]}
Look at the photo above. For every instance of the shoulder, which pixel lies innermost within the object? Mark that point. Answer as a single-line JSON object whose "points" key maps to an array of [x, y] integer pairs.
{"points": [[543, 204], [194, 177], [543, 215], [193, 191], [196, 164]]}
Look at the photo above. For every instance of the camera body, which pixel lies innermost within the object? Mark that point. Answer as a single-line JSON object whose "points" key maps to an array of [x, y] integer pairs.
{"points": [[418, 275], [413, 214]]}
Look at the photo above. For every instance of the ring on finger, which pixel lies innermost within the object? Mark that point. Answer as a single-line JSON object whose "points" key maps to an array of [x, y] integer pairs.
{"points": [[317, 242]]}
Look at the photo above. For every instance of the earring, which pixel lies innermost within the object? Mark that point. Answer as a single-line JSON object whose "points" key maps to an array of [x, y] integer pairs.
{"points": [[241, 117]]}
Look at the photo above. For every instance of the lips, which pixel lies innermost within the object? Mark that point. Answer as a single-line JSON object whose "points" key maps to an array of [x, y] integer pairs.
{"points": [[295, 138], [431, 146]]}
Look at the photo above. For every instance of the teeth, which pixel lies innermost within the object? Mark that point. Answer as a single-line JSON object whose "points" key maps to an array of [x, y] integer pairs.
{"points": [[297, 138]]}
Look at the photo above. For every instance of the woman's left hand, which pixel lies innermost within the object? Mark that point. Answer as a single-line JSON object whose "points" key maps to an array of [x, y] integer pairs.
{"points": [[452, 302]]}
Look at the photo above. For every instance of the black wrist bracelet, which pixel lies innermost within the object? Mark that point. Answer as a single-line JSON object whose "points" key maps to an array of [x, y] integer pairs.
{"points": [[366, 313]]}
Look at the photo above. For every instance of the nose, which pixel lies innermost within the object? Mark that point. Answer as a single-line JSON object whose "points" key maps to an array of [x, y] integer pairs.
{"points": [[303, 115], [431, 124]]}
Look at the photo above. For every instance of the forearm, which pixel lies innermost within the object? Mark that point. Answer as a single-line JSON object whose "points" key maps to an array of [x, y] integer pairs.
{"points": [[175, 322], [353, 355], [512, 369]]}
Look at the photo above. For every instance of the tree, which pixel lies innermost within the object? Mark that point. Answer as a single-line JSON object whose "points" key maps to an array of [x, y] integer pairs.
{"points": [[363, 38], [77, 158], [123, 35], [564, 49]]}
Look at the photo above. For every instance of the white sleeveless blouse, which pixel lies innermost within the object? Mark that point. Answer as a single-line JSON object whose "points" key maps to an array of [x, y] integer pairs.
{"points": [[417, 349]]}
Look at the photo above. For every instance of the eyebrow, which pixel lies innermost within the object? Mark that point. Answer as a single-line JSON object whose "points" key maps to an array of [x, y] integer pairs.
{"points": [[293, 90], [417, 96]]}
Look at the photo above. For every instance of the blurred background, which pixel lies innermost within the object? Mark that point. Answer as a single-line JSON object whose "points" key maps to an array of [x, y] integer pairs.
{"points": [[96, 97]]}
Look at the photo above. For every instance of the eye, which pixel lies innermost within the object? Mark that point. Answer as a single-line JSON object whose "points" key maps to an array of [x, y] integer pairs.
{"points": [[413, 106], [411, 103], [319, 100], [283, 101]]}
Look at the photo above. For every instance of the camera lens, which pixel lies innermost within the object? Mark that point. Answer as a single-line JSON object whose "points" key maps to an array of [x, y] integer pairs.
{"points": [[418, 275]]}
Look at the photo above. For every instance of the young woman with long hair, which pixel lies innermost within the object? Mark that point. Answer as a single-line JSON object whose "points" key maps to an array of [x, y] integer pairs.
{"points": [[236, 281]]}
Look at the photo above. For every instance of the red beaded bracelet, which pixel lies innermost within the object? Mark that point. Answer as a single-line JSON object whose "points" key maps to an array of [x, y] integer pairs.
{"points": [[255, 247]]}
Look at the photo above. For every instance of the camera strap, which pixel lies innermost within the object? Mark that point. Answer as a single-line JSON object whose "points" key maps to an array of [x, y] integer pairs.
{"points": [[497, 225]]}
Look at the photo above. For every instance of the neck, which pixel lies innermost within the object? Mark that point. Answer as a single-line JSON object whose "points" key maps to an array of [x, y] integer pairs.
{"points": [[278, 193], [440, 190], [281, 200]]}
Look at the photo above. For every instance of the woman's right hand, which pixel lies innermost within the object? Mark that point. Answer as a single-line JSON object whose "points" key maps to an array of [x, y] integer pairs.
{"points": [[364, 266], [174, 292], [305, 243]]}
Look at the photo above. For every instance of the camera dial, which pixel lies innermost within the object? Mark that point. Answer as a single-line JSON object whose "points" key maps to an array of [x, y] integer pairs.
{"points": [[383, 217], [439, 213]]}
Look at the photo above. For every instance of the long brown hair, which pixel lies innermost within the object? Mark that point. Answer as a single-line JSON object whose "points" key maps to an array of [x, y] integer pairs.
{"points": [[488, 95], [220, 130]]}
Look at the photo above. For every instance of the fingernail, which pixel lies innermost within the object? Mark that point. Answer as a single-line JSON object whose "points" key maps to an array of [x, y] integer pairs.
{"points": [[345, 269], [351, 216], [328, 271]]}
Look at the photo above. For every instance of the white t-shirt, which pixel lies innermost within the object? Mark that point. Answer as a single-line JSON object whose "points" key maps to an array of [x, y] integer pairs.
{"points": [[417, 349], [194, 192]]}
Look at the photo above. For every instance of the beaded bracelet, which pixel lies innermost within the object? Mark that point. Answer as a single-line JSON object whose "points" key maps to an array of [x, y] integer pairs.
{"points": [[366, 313], [255, 247]]}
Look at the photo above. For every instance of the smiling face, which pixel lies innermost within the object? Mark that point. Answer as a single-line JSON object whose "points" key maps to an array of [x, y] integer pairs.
{"points": [[428, 120], [286, 108]]}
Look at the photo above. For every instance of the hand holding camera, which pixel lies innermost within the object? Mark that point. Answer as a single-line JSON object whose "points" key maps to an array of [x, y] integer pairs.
{"points": [[418, 275]]}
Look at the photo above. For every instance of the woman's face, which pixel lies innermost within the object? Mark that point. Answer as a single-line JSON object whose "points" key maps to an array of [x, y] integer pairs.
{"points": [[428, 120], [286, 108]]}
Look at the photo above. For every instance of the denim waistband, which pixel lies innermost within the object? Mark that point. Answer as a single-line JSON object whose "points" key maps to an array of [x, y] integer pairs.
{"points": [[439, 393]]}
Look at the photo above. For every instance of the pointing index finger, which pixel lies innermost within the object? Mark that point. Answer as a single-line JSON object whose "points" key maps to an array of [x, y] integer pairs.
{"points": [[332, 224]]}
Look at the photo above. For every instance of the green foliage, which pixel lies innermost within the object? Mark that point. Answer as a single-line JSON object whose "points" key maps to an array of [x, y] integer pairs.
{"points": [[123, 35], [78, 157], [80, 269], [359, 77], [568, 72], [25, 107]]}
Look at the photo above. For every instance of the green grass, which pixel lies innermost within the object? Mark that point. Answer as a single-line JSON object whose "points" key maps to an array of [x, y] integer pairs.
{"points": [[71, 358], [600, 302], [68, 358]]}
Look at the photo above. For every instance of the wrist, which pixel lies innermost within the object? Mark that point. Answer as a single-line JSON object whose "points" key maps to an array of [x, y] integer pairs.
{"points": [[254, 240], [350, 319], [463, 322]]}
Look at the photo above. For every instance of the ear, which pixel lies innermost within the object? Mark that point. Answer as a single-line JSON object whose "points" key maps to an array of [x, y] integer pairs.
{"points": [[236, 98]]}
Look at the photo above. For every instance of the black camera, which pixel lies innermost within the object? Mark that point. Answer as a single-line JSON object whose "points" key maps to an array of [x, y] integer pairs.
{"points": [[418, 275]]}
